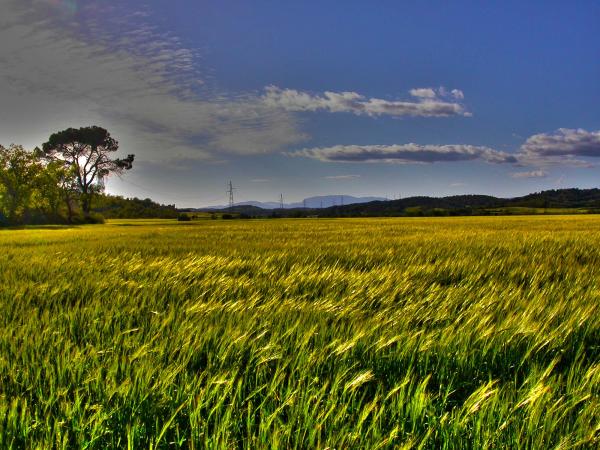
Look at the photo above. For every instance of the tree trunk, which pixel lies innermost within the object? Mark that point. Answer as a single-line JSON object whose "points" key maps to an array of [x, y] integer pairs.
{"points": [[68, 201], [86, 204]]}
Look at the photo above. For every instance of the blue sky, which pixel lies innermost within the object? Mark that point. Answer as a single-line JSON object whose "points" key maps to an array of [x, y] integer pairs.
{"points": [[313, 98]]}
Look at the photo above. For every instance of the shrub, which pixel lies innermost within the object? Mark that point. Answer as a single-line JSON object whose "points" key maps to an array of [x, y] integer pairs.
{"points": [[93, 218]]}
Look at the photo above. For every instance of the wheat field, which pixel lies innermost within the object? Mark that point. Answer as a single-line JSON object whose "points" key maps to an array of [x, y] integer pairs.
{"points": [[430, 333]]}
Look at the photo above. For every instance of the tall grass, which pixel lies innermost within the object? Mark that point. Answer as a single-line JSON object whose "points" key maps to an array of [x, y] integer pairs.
{"points": [[398, 333]]}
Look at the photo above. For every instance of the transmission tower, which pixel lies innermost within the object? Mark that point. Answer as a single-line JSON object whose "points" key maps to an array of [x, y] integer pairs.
{"points": [[281, 201], [342, 200], [230, 192]]}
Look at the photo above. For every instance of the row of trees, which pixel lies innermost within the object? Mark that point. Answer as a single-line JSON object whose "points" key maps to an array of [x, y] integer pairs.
{"points": [[58, 182]]}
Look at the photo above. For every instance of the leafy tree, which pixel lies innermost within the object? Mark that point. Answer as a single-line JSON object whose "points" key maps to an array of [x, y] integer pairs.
{"points": [[58, 187], [20, 172], [87, 152]]}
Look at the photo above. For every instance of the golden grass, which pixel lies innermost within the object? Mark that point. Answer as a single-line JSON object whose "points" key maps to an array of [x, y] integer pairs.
{"points": [[348, 333]]}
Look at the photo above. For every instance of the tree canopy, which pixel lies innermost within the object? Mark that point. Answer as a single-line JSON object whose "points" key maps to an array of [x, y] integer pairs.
{"points": [[19, 177], [87, 151]]}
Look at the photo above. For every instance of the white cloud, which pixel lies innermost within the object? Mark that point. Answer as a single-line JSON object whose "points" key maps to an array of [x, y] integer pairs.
{"points": [[107, 66], [458, 94], [530, 174], [423, 93], [428, 103], [437, 93], [406, 153]]}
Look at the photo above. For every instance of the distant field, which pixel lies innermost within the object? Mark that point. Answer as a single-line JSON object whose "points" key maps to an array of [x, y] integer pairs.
{"points": [[435, 333], [521, 210]]}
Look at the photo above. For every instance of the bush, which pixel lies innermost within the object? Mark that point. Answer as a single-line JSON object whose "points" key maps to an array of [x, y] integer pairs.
{"points": [[183, 218], [414, 211], [93, 218]]}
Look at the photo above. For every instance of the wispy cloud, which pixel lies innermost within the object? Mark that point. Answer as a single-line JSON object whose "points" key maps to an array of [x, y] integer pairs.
{"points": [[530, 174], [103, 63], [564, 147], [406, 154], [341, 177], [458, 184], [260, 180], [428, 103]]}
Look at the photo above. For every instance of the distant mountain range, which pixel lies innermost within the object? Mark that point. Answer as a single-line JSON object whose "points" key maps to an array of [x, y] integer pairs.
{"points": [[323, 201], [568, 200]]}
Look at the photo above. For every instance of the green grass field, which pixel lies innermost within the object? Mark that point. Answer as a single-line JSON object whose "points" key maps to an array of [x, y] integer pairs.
{"points": [[434, 333]]}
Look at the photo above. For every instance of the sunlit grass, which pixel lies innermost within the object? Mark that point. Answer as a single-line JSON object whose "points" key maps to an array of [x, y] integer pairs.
{"points": [[350, 333]]}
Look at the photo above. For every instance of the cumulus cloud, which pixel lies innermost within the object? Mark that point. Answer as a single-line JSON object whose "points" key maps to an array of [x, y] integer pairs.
{"points": [[103, 63], [406, 154], [428, 103], [423, 93], [530, 174]]}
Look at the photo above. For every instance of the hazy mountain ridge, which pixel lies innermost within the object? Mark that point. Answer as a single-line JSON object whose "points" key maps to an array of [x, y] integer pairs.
{"points": [[317, 202], [455, 205]]}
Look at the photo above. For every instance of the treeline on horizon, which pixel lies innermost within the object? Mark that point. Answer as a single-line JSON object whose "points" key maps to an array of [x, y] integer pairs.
{"points": [[550, 201], [545, 202], [580, 201]]}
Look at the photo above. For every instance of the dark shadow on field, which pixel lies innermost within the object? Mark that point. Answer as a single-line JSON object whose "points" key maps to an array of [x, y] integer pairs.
{"points": [[145, 224], [40, 227]]}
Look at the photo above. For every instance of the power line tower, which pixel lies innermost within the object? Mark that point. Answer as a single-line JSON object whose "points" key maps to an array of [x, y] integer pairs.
{"points": [[280, 201], [304, 203], [230, 192], [342, 200]]}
